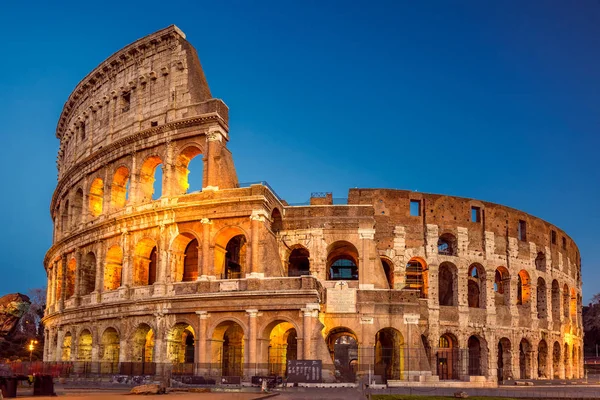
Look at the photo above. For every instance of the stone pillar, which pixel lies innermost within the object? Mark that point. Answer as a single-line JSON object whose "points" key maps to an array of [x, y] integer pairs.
{"points": [[169, 180], [100, 266], [252, 336], [159, 285], [213, 139], [256, 218], [134, 182], [204, 270], [52, 288], [78, 268], [127, 267], [366, 263], [309, 313], [202, 366], [49, 290]]}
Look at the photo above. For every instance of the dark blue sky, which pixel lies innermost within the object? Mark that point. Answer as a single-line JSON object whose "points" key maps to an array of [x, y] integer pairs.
{"points": [[498, 101]]}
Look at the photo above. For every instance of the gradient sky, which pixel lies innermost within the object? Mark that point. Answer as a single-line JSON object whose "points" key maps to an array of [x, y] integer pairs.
{"points": [[499, 101]]}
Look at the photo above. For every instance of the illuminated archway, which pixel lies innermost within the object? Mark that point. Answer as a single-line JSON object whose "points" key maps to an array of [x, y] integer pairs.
{"points": [[416, 277], [109, 351], [283, 346], [142, 350], [70, 278], [113, 268], [119, 190], [66, 347], [148, 178], [227, 348], [181, 348], [84, 346], [342, 261], [182, 171], [145, 262], [96, 197], [184, 258]]}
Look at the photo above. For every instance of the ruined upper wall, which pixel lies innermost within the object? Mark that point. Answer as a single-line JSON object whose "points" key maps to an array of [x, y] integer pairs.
{"points": [[152, 82], [392, 208]]}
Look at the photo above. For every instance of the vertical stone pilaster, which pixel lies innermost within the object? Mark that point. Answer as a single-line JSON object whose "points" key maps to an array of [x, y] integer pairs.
{"points": [[214, 140], [367, 261], [252, 336], [78, 272], [63, 266], [201, 349], [204, 269], [257, 217]]}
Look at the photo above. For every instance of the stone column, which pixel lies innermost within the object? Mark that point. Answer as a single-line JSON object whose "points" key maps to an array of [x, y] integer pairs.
{"points": [[204, 269], [78, 268], [202, 366], [252, 336], [257, 217], [134, 182], [100, 265], [159, 285], [309, 313], [365, 266], [127, 267], [213, 140], [52, 288], [48, 291]]}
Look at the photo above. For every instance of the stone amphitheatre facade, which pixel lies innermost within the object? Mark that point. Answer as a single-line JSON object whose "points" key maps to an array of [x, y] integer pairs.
{"points": [[231, 280]]}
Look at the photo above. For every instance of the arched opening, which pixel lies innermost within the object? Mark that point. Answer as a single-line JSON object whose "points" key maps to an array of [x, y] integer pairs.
{"points": [[227, 348], [299, 262], [475, 356], [502, 287], [276, 221], [142, 350], [70, 278], [540, 262], [96, 197], [235, 257], [448, 293], [476, 286], [343, 348], [555, 301], [184, 258], [447, 245], [283, 346], [84, 347], [525, 354], [556, 366], [541, 299], [566, 360], [190, 261], [66, 347], [448, 357], [523, 288], [119, 190], [416, 276], [342, 261], [64, 218], [388, 270], [542, 360], [109, 351], [504, 360], [573, 306], [389, 354], [76, 212], [566, 297], [189, 168], [113, 268], [180, 348], [88, 274], [145, 263], [150, 184]]}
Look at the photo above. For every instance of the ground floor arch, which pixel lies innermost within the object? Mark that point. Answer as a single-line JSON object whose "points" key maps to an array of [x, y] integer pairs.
{"points": [[447, 357], [227, 349], [525, 359], [66, 347], [556, 366], [142, 352], [343, 349], [109, 351], [542, 360], [389, 354], [282, 346], [504, 359]]}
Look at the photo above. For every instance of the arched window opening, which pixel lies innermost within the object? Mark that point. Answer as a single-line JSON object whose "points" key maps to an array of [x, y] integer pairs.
{"points": [[416, 277], [70, 282], [447, 285], [96, 199], [150, 184], [88, 274], [542, 360], [119, 191], [77, 208], [342, 261], [66, 347], [555, 300], [64, 217], [388, 270], [448, 357], [566, 297], [523, 288], [447, 245], [501, 287], [276, 221], [299, 262], [190, 261], [541, 298], [84, 348], [235, 257], [476, 286], [189, 171], [145, 263], [540, 262], [113, 268]]}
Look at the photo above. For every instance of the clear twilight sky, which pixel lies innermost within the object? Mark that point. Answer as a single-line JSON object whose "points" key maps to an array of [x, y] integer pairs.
{"points": [[498, 101]]}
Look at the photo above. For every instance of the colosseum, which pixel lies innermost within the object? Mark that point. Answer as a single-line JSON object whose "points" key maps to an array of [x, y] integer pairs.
{"points": [[148, 277]]}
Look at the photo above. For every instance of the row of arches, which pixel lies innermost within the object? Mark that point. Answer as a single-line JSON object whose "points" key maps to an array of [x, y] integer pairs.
{"points": [[117, 192]]}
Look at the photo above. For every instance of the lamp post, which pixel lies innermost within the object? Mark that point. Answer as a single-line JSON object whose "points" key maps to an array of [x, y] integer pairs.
{"points": [[31, 347]]}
